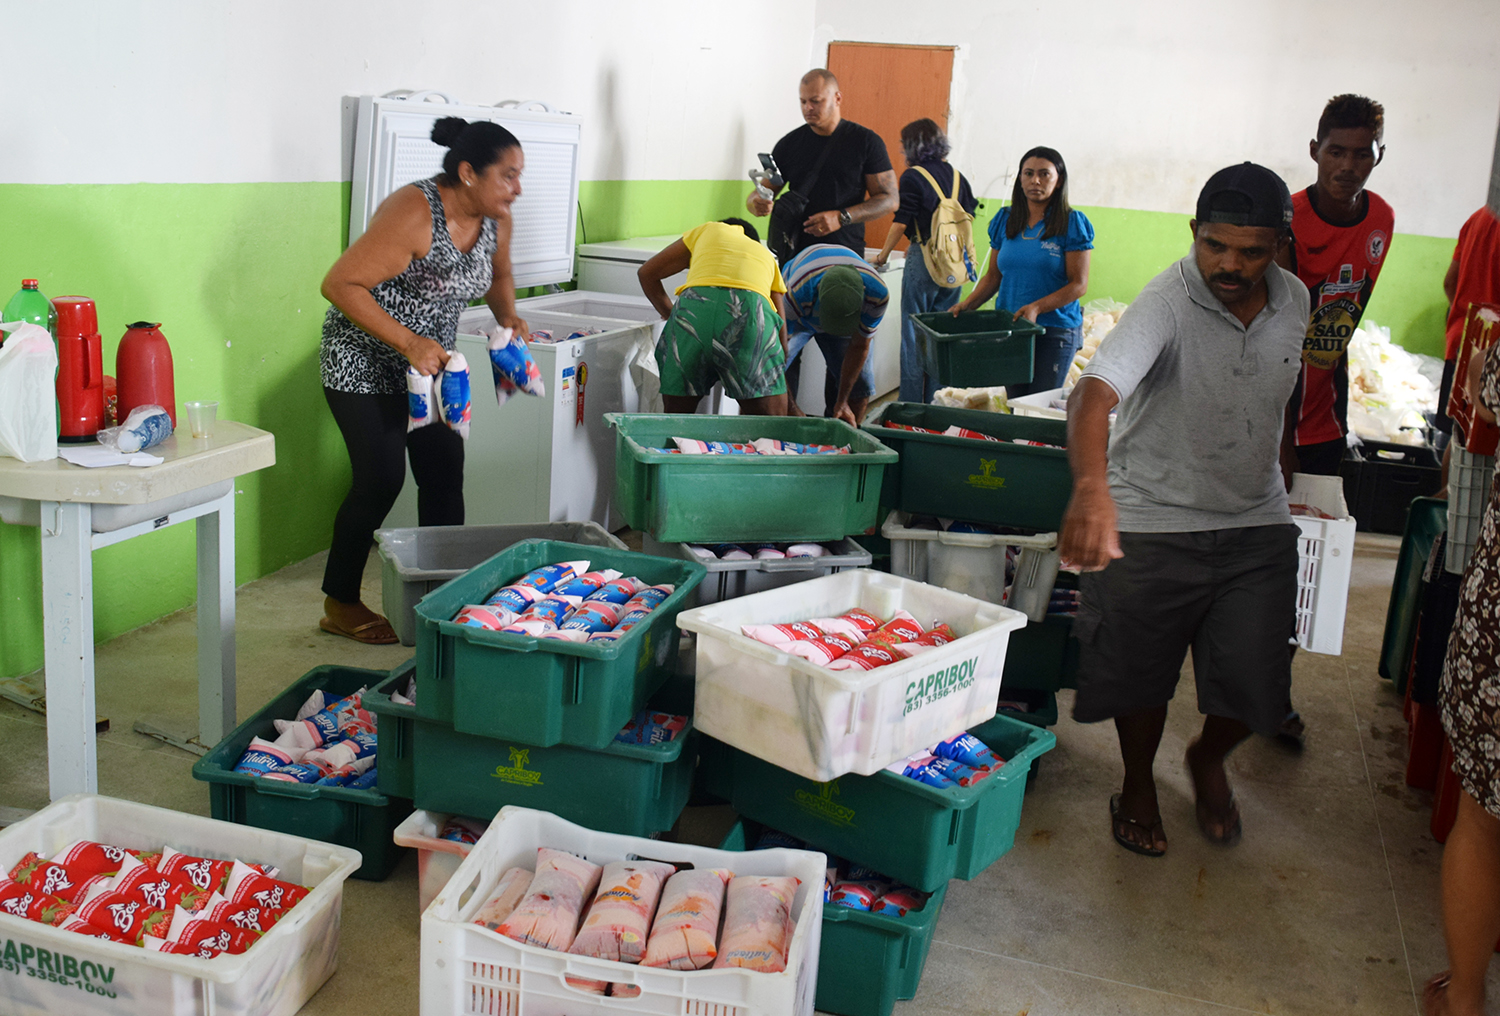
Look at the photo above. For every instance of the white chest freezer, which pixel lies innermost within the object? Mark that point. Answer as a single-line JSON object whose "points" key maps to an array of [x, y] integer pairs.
{"points": [[544, 458], [611, 267]]}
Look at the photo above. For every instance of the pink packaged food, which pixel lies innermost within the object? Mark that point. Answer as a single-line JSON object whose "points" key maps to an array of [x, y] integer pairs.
{"points": [[899, 901], [541, 617], [901, 628], [207, 936], [825, 650], [81, 927], [940, 635], [248, 884], [507, 895], [489, 616], [620, 916], [548, 915], [86, 858], [757, 923], [683, 936], [52, 879], [856, 895], [202, 872], [783, 635], [866, 656], [19, 900]]}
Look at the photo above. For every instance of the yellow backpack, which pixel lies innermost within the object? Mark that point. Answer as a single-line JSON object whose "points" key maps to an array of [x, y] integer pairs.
{"points": [[949, 247]]}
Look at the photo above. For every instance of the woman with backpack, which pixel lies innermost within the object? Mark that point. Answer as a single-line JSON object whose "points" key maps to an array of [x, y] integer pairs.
{"points": [[930, 191], [1039, 264]]}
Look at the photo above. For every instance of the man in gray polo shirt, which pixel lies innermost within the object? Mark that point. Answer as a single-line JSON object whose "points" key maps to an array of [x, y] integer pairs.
{"points": [[1179, 518]]}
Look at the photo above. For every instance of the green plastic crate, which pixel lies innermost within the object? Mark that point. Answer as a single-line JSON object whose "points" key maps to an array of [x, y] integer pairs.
{"points": [[397, 733], [998, 482], [1043, 655], [362, 819], [727, 498], [537, 691], [913, 833], [636, 790], [978, 348], [1043, 712], [867, 961], [1427, 518]]}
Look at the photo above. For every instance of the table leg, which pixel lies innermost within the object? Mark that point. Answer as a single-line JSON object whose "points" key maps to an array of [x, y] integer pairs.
{"points": [[68, 637], [216, 704]]}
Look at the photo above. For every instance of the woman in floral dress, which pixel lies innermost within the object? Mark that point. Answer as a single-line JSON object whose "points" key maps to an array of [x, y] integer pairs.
{"points": [[1470, 698]]}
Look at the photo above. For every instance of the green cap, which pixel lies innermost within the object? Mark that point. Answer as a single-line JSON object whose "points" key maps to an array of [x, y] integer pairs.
{"points": [[841, 296]]}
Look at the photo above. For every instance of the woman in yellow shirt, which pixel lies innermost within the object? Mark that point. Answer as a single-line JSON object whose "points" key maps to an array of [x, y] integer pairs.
{"points": [[728, 324]]}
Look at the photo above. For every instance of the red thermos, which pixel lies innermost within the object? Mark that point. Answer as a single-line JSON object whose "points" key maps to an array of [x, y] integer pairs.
{"points": [[80, 370], [143, 370]]}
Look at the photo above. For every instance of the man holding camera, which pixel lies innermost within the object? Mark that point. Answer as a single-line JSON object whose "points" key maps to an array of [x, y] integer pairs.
{"points": [[829, 164]]}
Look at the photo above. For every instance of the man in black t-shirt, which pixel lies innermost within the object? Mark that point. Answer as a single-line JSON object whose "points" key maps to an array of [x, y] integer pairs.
{"points": [[837, 207]]}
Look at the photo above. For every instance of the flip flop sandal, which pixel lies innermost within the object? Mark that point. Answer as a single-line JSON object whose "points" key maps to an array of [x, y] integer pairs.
{"points": [[1117, 821], [372, 633], [1228, 820]]}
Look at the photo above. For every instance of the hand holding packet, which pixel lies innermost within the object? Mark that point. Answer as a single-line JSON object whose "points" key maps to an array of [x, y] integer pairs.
{"points": [[420, 408], [513, 366], [452, 389]]}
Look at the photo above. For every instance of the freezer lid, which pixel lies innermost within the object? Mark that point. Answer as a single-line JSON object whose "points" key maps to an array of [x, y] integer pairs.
{"points": [[392, 147], [638, 250]]}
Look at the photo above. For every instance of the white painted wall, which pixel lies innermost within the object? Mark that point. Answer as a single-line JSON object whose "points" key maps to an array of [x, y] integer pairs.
{"points": [[212, 91], [1147, 98]]}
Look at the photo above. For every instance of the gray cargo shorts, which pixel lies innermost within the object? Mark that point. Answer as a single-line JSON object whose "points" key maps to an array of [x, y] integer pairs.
{"points": [[1229, 595]]}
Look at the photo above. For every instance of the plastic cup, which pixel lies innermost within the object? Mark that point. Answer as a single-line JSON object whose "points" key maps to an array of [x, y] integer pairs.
{"points": [[200, 417]]}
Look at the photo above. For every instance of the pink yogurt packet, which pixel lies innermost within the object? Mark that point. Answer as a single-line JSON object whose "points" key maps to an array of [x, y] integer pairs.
{"points": [[488, 616], [543, 616]]}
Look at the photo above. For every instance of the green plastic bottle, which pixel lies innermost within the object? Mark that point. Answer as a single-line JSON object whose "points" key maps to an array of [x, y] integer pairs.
{"points": [[31, 306]]}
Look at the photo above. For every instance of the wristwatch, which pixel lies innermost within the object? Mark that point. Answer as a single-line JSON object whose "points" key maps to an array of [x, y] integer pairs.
{"points": [[844, 217]]}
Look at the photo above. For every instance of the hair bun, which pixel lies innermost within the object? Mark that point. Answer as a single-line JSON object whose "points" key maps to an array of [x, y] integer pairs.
{"points": [[446, 131]]}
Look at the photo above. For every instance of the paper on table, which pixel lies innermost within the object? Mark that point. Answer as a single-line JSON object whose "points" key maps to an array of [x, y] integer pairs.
{"points": [[95, 456]]}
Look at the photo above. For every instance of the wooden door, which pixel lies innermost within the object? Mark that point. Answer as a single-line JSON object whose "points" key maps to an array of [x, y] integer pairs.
{"points": [[887, 87]]}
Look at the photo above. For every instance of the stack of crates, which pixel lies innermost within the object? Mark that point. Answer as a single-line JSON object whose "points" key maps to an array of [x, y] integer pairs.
{"points": [[504, 719], [804, 750], [1020, 483]]}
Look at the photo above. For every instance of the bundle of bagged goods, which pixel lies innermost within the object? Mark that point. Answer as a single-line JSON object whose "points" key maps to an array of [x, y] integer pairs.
{"points": [[330, 744], [644, 912], [166, 901], [566, 601], [854, 886], [1388, 390]]}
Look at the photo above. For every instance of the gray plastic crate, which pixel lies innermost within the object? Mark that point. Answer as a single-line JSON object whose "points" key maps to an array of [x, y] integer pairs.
{"points": [[414, 562], [729, 579], [1469, 478]]}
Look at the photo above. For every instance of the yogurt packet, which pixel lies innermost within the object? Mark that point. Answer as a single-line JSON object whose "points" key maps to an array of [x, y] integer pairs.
{"points": [[452, 390], [420, 407], [513, 367]]}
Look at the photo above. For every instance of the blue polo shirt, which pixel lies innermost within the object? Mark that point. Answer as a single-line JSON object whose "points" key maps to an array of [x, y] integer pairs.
{"points": [[1032, 266]]}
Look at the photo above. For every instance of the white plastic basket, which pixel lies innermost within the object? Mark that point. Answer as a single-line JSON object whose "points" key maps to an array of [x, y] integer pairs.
{"points": [[729, 579], [437, 858], [822, 723], [1040, 405], [1469, 478], [974, 563], [55, 971], [468, 970], [1325, 555]]}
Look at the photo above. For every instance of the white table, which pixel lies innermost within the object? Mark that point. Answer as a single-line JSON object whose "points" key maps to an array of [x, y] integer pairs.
{"points": [[80, 510]]}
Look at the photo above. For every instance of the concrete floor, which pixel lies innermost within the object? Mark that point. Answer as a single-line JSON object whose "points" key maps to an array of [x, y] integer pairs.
{"points": [[1329, 905]]}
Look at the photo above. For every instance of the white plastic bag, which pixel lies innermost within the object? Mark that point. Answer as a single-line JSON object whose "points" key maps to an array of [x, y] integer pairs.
{"points": [[28, 394]]}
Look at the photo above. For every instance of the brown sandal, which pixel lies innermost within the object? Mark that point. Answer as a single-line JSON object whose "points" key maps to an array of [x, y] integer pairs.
{"points": [[372, 633]]}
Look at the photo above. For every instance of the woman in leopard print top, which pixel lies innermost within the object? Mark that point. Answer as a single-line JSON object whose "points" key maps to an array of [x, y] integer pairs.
{"points": [[397, 292]]}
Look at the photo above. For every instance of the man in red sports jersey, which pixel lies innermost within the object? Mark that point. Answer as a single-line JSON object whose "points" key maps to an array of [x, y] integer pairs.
{"points": [[1342, 233]]}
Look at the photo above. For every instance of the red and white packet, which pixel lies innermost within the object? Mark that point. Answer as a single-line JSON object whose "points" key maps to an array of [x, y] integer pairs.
{"points": [[19, 900], [249, 885], [939, 635]]}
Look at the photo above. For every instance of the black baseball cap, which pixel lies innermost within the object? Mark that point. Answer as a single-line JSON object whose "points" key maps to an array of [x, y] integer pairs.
{"points": [[1246, 195]]}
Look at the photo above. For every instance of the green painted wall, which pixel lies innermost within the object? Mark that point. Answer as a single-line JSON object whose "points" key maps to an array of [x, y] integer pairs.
{"points": [[232, 272], [1131, 248]]}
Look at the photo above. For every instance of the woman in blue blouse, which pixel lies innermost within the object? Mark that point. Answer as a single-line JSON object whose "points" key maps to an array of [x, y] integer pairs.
{"points": [[1039, 265]]}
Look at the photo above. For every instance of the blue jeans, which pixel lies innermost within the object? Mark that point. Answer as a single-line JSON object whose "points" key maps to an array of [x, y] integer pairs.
{"points": [[833, 348], [1055, 349], [919, 295]]}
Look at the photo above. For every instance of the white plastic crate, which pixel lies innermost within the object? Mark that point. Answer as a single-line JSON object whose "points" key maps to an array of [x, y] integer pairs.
{"points": [[822, 723], [468, 970], [1040, 404], [1469, 478], [729, 579], [1325, 554], [54, 971], [974, 563], [437, 858]]}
